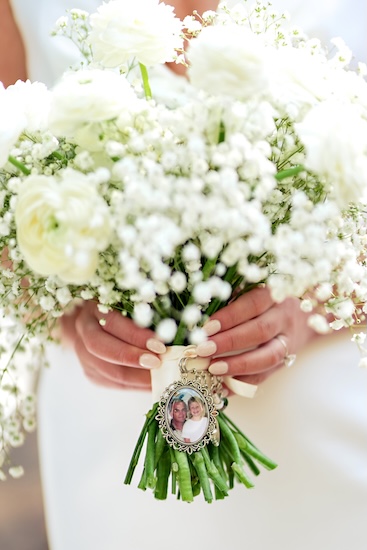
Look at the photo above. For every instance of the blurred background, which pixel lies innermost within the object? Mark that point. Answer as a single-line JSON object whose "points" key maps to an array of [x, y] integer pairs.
{"points": [[22, 525]]}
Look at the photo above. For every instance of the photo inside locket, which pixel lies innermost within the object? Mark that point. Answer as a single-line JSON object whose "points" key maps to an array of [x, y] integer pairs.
{"points": [[187, 415]]}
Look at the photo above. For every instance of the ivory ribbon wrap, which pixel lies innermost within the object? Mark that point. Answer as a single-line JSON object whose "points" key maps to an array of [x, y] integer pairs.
{"points": [[169, 372]]}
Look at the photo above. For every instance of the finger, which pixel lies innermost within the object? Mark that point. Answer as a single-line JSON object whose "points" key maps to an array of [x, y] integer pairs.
{"points": [[121, 327], [98, 380], [247, 335], [254, 362], [256, 379], [109, 348], [99, 370], [246, 307]]}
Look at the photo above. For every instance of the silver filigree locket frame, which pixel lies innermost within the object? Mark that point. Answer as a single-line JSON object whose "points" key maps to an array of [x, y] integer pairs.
{"points": [[192, 386]]}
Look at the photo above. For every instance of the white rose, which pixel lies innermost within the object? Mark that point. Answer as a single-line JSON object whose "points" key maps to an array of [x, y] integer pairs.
{"points": [[229, 60], [88, 96], [62, 225], [335, 138], [143, 29]]}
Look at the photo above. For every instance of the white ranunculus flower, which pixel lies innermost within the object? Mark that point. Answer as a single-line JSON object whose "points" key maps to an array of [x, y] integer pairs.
{"points": [[33, 98], [86, 97], [229, 60], [143, 29], [335, 138], [300, 78], [62, 225]]}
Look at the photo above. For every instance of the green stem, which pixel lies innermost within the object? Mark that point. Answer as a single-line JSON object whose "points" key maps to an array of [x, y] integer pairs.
{"points": [[150, 417], [209, 267], [226, 459], [217, 460], [163, 471], [149, 456], [174, 470], [234, 426], [248, 446], [160, 445], [58, 156], [235, 453], [200, 468], [19, 165], [289, 172], [213, 472], [145, 78], [184, 476], [227, 434], [242, 477], [253, 451]]}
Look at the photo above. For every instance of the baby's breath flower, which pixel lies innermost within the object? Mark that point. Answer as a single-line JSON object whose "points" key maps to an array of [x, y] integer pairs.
{"points": [[359, 338], [318, 323], [191, 315], [143, 315], [178, 281], [197, 335], [16, 471], [166, 330], [306, 305]]}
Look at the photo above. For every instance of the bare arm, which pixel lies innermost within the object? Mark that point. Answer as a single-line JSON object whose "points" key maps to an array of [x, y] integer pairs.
{"points": [[12, 54], [186, 7]]}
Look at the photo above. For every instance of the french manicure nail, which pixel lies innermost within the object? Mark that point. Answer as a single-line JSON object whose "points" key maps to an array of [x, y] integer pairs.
{"points": [[155, 346], [212, 327], [218, 368], [206, 348], [149, 361]]}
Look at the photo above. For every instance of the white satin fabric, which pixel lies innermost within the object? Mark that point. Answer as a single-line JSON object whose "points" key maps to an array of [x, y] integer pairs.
{"points": [[311, 419]]}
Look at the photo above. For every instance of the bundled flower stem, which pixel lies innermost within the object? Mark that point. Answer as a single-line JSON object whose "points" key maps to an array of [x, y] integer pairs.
{"points": [[212, 467]]}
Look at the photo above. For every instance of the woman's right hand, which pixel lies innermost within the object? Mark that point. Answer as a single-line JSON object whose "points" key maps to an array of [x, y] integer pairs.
{"points": [[115, 353]]}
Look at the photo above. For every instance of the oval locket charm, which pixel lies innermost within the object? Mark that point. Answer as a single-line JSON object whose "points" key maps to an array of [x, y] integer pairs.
{"points": [[187, 409]]}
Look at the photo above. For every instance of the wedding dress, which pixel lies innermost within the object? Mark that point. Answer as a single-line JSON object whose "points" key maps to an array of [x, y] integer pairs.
{"points": [[311, 419]]}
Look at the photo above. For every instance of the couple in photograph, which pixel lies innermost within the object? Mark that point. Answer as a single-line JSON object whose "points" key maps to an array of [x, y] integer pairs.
{"points": [[189, 421]]}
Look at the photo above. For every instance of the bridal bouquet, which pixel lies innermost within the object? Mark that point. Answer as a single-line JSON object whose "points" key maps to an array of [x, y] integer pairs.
{"points": [[166, 197]]}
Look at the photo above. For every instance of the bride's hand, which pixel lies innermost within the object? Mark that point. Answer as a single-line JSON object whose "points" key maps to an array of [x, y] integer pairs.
{"points": [[114, 353], [267, 330]]}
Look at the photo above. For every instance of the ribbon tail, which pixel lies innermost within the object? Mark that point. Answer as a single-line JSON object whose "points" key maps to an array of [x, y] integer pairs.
{"points": [[244, 389]]}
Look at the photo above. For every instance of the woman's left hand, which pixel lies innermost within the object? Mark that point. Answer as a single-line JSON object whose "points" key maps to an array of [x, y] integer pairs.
{"points": [[253, 336]]}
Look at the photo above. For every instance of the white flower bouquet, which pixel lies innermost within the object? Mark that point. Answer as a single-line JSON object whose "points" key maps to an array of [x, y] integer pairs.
{"points": [[165, 198]]}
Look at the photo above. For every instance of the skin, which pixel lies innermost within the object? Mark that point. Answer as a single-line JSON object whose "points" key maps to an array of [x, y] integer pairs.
{"points": [[120, 355], [196, 414], [179, 414], [110, 354], [12, 65], [196, 411]]}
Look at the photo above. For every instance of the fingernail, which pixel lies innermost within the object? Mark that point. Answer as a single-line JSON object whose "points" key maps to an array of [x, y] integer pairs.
{"points": [[206, 348], [218, 368], [149, 361], [212, 327], [156, 346]]}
